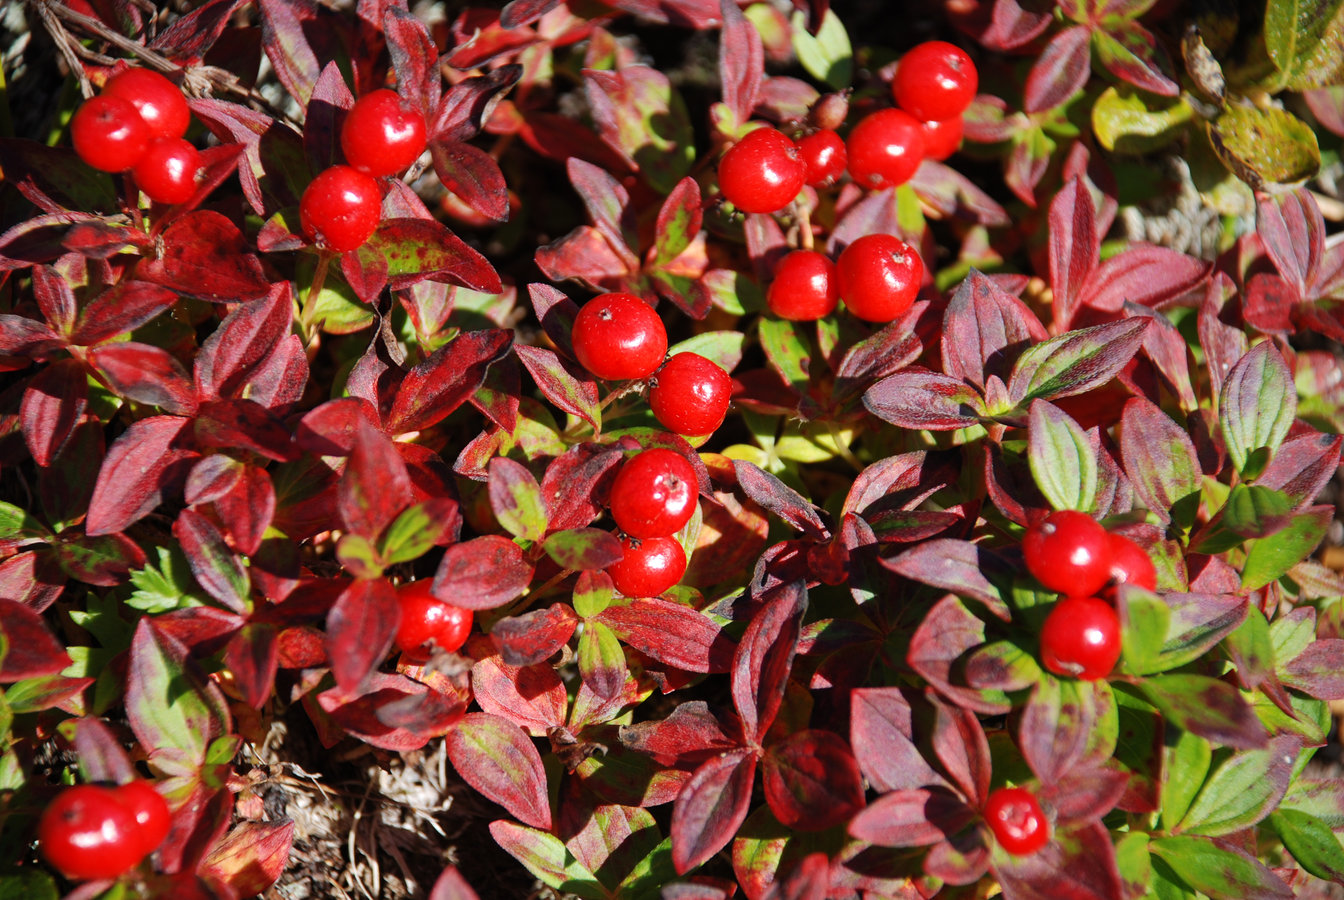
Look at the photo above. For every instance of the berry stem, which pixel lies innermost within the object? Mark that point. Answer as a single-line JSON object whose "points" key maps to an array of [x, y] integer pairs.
{"points": [[802, 215], [310, 296]]}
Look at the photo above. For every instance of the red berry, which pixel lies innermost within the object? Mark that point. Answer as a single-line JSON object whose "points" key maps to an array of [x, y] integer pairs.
{"points": [[1068, 552], [1015, 817], [150, 811], [885, 149], [382, 133], [1130, 564], [426, 618], [690, 394], [942, 138], [618, 336], [805, 287], [159, 101], [88, 833], [109, 134], [341, 208], [650, 566], [762, 172], [824, 155], [654, 494], [935, 81], [878, 276], [1081, 638], [167, 170]]}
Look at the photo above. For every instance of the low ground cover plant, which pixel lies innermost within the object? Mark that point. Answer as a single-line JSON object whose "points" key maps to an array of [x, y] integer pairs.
{"points": [[771, 451]]}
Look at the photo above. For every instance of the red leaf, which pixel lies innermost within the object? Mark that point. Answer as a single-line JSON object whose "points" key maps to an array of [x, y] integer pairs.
{"points": [[415, 58], [962, 748], [1061, 71], [279, 381], [1132, 53], [924, 400], [1302, 466], [146, 374], [53, 404], [284, 35], [21, 336], [1078, 864], [565, 384], [673, 634], [252, 656], [101, 757], [1268, 303], [586, 256], [741, 62], [251, 857], [242, 342], [375, 486], [984, 329], [394, 713], [575, 484], [247, 508], [764, 658], [496, 758], [329, 429], [812, 781], [957, 566], [189, 38], [888, 350], [103, 560], [469, 103], [948, 631], [691, 734], [1143, 274], [360, 630], [474, 176], [912, 818], [32, 651], [233, 425], [531, 697], [1055, 732], [535, 636], [31, 578], [608, 205], [482, 573], [1074, 248], [450, 885], [441, 383], [711, 807], [882, 735], [148, 460], [54, 297], [205, 255], [780, 499]]}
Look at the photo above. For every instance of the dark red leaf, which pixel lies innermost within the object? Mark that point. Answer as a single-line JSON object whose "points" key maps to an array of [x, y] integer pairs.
{"points": [[1079, 864], [912, 818], [1084, 793], [103, 560], [1318, 670], [890, 349], [882, 734], [146, 374], [242, 341], [962, 748], [583, 549], [441, 383], [31, 650], [984, 329], [741, 62], [247, 508], [1143, 274], [1061, 71], [535, 636], [415, 58], [576, 484], [565, 384], [393, 713], [948, 631], [101, 757], [375, 486], [957, 566], [468, 104], [121, 308], [764, 658], [231, 425], [711, 807], [482, 573], [31, 578], [691, 734], [472, 175], [496, 758], [147, 461], [1293, 233], [21, 336], [780, 499], [1302, 466], [673, 634], [284, 35], [608, 205], [329, 429], [924, 400], [532, 697], [812, 781], [206, 255], [53, 404], [360, 628], [55, 298], [1057, 727], [253, 656], [1268, 303], [279, 381], [1132, 53], [1074, 247], [1159, 459], [214, 566]]}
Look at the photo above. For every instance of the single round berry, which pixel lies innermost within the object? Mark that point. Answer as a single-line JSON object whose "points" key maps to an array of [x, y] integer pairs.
{"points": [[1068, 552], [690, 395], [341, 208], [167, 170], [88, 833], [426, 618], [109, 134], [762, 172], [618, 336], [382, 133], [1081, 638], [1130, 564], [654, 494], [878, 276], [885, 149], [824, 155], [936, 80], [805, 287], [942, 138], [159, 101], [152, 819], [649, 567], [1015, 817]]}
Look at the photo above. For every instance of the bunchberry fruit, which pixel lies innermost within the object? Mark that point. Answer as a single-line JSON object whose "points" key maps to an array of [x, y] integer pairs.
{"points": [[690, 394], [1130, 564], [1016, 820], [1068, 552], [805, 286], [762, 172], [341, 208], [152, 819], [1081, 638], [382, 133], [942, 137], [87, 832], [159, 101], [885, 149], [935, 80], [654, 494], [167, 170], [618, 336], [108, 133], [824, 155], [649, 567], [425, 618], [878, 277]]}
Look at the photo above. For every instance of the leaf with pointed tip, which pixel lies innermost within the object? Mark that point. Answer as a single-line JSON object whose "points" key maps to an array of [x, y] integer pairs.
{"points": [[1061, 70], [1063, 460], [710, 807], [1161, 463], [678, 223], [912, 818], [984, 328], [534, 636], [1256, 408], [641, 116], [450, 885], [924, 401], [1219, 869], [532, 697], [284, 24], [1207, 707], [882, 734], [1079, 864], [251, 857], [419, 528], [496, 758], [889, 349], [516, 500], [1076, 362], [948, 631], [960, 744], [171, 705], [565, 384], [1311, 842], [53, 405], [780, 499], [957, 566], [148, 460], [1302, 465], [1133, 54], [671, 633], [215, 567], [473, 176], [242, 343], [788, 351], [204, 254], [1245, 788], [28, 649], [764, 658], [1057, 724], [601, 660], [1074, 246], [375, 486], [121, 308], [360, 629], [546, 857], [1269, 558], [444, 380], [412, 250], [482, 573], [741, 62]]}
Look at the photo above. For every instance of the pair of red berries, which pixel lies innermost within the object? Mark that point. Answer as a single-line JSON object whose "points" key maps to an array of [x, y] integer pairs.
{"points": [[1071, 553], [764, 171], [652, 498], [342, 206], [137, 124], [94, 831], [935, 82], [426, 619], [618, 337], [878, 277]]}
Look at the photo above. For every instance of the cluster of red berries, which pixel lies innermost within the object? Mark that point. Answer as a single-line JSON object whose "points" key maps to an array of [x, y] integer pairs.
{"points": [[1070, 553], [619, 337], [652, 498], [426, 620], [878, 276], [381, 135], [94, 831], [137, 124]]}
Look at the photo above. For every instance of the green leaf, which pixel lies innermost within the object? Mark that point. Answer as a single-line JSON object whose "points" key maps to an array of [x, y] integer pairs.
{"points": [[1063, 461], [516, 500], [723, 348], [788, 351], [1241, 791], [1252, 648], [335, 309], [547, 857], [1133, 862], [1290, 635], [31, 885], [167, 586], [1147, 619], [650, 874], [1299, 35], [593, 592], [1127, 120], [828, 57], [1256, 407], [1265, 146], [1219, 870], [169, 705], [733, 292], [1250, 511], [18, 522], [583, 549], [1186, 766], [1270, 557], [638, 110], [357, 554], [413, 533], [1311, 842]]}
